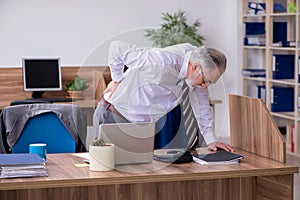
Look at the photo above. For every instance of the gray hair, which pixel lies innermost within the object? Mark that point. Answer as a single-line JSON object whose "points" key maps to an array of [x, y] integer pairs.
{"points": [[209, 58]]}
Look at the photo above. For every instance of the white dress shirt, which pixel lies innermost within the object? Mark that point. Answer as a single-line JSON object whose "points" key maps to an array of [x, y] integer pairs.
{"points": [[152, 85]]}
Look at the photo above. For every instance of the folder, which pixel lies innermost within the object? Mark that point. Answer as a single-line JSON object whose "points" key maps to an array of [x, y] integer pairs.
{"points": [[282, 99], [299, 70], [283, 66], [261, 92], [293, 138], [280, 33]]}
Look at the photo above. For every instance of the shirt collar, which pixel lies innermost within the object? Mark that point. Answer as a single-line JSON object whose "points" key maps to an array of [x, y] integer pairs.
{"points": [[184, 68]]}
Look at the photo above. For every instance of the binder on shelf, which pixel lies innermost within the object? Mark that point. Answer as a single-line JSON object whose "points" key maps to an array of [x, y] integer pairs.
{"points": [[254, 72], [298, 101], [282, 99], [293, 138], [254, 28], [299, 70], [280, 33], [261, 92], [283, 66]]}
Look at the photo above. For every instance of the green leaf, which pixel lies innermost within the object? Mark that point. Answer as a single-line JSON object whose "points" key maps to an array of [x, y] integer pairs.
{"points": [[175, 30], [77, 85]]}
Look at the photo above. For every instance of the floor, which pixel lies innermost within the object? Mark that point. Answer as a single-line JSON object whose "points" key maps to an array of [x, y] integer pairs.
{"points": [[295, 161]]}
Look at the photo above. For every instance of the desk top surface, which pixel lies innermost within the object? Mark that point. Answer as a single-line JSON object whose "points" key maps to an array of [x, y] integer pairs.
{"points": [[64, 171], [92, 103]]}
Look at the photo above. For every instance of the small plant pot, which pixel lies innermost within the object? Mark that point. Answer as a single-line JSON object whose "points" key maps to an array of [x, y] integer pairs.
{"points": [[102, 158], [75, 94]]}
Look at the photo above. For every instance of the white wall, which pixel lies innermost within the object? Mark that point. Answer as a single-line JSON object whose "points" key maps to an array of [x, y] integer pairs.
{"points": [[79, 32]]}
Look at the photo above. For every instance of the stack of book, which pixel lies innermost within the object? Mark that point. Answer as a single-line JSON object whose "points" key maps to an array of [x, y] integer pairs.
{"points": [[218, 158], [254, 72], [255, 33], [255, 8], [22, 165]]}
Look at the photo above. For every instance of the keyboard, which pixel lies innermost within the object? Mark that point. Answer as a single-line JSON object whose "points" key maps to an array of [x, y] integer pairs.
{"points": [[54, 99]]}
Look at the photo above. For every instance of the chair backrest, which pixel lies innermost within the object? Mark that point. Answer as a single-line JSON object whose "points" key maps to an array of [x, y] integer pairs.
{"points": [[45, 128]]}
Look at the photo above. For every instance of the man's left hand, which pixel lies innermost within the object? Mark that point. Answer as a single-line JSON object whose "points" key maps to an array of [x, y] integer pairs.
{"points": [[214, 146]]}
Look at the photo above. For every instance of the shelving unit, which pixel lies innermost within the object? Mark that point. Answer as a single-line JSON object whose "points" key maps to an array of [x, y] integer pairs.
{"points": [[260, 56]]}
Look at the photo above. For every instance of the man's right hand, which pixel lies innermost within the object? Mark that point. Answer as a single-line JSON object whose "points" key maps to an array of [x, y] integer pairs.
{"points": [[111, 88]]}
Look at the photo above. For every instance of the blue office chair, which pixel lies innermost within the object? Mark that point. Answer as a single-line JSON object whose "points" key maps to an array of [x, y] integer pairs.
{"points": [[45, 128], [63, 127]]}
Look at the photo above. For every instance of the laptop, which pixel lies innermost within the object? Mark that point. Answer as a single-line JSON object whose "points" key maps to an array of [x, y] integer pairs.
{"points": [[134, 142]]}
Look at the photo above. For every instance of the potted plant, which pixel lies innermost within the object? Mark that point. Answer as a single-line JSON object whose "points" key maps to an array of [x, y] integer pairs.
{"points": [[175, 30], [76, 87], [102, 155]]}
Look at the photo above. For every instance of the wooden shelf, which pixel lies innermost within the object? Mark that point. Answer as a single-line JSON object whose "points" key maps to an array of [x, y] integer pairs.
{"points": [[282, 14], [288, 82], [285, 115], [254, 47], [262, 57], [254, 79]]}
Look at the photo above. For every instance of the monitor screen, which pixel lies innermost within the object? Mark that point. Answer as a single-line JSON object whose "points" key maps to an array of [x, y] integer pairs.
{"points": [[42, 74]]}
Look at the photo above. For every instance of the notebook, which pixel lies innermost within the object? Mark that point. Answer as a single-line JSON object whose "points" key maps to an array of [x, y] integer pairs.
{"points": [[134, 142], [219, 157]]}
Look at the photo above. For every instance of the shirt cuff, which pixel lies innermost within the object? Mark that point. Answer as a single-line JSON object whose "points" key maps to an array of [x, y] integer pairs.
{"points": [[209, 137], [117, 77]]}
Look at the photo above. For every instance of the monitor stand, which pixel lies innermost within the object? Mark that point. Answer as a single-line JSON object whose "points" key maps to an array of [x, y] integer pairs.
{"points": [[37, 94]]}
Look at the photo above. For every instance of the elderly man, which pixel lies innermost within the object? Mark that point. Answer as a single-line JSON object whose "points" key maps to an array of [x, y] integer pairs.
{"points": [[152, 85]]}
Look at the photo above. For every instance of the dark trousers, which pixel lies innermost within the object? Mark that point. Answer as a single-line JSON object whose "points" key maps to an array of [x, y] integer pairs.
{"points": [[170, 131]]}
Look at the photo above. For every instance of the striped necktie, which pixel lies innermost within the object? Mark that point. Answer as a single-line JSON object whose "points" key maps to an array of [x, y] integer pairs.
{"points": [[194, 138]]}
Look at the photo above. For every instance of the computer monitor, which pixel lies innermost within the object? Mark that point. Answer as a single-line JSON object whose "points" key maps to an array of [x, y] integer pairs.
{"points": [[41, 74]]}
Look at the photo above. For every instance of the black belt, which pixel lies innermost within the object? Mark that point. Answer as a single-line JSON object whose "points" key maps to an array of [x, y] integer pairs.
{"points": [[110, 107]]}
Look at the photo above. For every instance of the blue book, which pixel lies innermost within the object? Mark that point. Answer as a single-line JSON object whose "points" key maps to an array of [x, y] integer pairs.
{"points": [[256, 8], [282, 99], [255, 28], [254, 72], [22, 165], [283, 66], [20, 159], [278, 8]]}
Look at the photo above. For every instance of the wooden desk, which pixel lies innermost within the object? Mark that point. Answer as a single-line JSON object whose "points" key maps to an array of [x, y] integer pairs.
{"points": [[256, 177]]}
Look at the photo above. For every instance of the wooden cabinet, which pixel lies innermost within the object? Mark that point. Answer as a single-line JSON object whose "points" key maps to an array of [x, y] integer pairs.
{"points": [[271, 42]]}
